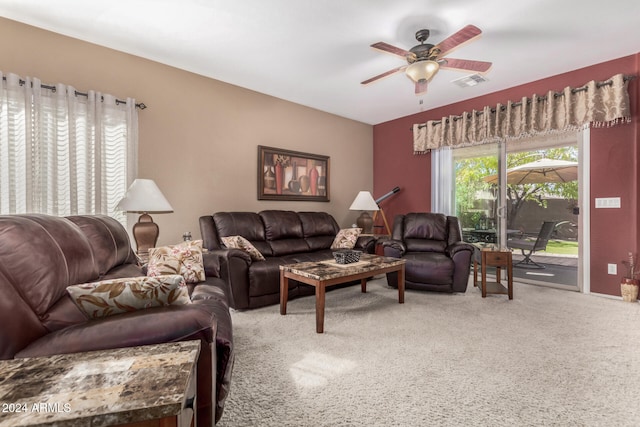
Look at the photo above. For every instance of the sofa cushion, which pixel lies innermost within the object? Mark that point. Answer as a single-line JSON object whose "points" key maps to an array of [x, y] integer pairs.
{"points": [[42, 255], [424, 245], [283, 230], [184, 259], [431, 226], [239, 242], [264, 277], [109, 297], [425, 232], [429, 267], [160, 324], [108, 240], [346, 238], [246, 224], [319, 229], [281, 225]]}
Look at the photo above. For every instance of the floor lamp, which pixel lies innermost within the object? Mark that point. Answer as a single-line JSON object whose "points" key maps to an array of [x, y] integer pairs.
{"points": [[144, 196]]}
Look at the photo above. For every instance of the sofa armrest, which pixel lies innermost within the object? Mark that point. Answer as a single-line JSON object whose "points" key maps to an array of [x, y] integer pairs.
{"points": [[211, 262], [393, 248], [366, 244], [142, 327], [460, 253], [208, 232], [234, 270], [456, 247]]}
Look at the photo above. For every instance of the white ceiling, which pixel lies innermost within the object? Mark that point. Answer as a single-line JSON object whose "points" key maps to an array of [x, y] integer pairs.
{"points": [[317, 52]]}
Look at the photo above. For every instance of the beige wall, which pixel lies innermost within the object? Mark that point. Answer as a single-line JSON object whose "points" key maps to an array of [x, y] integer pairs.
{"points": [[199, 136]]}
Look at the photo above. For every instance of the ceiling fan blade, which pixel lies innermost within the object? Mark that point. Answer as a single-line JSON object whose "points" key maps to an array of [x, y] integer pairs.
{"points": [[385, 47], [466, 34], [421, 87], [385, 74], [465, 65]]}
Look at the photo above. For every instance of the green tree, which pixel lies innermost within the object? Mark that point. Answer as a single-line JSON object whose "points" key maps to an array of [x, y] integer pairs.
{"points": [[471, 171]]}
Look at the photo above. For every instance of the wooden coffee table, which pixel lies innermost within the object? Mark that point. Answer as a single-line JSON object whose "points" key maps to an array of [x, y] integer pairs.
{"points": [[328, 273]]}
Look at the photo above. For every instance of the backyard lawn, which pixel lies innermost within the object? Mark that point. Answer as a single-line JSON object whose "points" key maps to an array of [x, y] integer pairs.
{"points": [[563, 247]]}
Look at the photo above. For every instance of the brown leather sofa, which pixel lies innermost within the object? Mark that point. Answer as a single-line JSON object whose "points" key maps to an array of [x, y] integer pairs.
{"points": [[41, 255], [282, 237], [431, 243]]}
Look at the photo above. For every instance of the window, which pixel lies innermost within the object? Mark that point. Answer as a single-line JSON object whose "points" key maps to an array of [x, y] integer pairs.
{"points": [[63, 152]]}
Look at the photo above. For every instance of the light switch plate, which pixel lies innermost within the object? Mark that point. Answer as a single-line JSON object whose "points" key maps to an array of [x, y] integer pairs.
{"points": [[607, 202]]}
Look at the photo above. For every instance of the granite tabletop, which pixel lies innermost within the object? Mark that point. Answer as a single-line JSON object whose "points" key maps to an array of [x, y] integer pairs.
{"points": [[97, 388], [329, 269]]}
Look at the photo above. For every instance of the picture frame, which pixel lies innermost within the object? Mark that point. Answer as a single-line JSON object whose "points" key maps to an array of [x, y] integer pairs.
{"points": [[292, 175]]}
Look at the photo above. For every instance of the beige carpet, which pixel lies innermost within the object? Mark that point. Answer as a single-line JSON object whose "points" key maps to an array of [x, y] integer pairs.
{"points": [[547, 358]]}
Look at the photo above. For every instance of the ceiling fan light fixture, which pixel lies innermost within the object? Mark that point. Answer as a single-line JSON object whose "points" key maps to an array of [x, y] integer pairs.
{"points": [[422, 70]]}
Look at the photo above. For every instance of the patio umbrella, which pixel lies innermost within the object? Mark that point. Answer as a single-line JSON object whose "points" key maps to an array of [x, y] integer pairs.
{"points": [[538, 172]]}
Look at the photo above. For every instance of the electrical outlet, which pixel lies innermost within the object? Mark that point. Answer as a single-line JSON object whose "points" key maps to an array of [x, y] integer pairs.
{"points": [[612, 269]]}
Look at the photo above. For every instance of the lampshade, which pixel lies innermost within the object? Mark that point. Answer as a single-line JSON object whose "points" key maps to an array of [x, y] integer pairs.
{"points": [[364, 202], [422, 70], [144, 196]]}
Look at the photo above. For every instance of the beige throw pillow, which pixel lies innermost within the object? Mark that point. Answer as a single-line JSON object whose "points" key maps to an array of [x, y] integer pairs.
{"points": [[184, 259], [346, 238], [109, 297], [239, 242]]}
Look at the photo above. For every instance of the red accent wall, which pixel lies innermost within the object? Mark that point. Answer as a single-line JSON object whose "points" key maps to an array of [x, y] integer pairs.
{"points": [[614, 166]]}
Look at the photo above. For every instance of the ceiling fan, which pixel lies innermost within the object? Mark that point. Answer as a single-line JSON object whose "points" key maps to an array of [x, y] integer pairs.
{"points": [[424, 60]]}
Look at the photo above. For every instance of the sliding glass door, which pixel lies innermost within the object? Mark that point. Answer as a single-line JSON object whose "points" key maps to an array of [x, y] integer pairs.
{"points": [[479, 195], [507, 191]]}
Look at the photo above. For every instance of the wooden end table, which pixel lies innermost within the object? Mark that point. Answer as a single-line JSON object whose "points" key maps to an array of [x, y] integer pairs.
{"points": [[500, 260], [328, 273]]}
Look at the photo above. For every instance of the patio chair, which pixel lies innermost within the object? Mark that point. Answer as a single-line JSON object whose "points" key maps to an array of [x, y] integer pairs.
{"points": [[540, 244]]}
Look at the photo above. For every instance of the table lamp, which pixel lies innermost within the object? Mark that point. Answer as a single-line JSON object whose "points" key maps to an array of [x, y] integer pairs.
{"points": [[364, 202], [144, 196]]}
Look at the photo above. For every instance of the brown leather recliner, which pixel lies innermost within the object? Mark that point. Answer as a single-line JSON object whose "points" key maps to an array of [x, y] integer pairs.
{"points": [[431, 243]]}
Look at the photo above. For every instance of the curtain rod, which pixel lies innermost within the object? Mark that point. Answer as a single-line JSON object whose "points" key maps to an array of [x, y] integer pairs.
{"points": [[139, 105], [541, 98]]}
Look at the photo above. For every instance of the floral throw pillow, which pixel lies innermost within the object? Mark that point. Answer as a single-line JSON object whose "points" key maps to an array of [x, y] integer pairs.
{"points": [[184, 259], [346, 238], [239, 242], [109, 297]]}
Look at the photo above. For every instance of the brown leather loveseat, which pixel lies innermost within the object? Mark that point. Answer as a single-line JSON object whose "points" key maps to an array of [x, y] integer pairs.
{"points": [[41, 255], [282, 237], [436, 257]]}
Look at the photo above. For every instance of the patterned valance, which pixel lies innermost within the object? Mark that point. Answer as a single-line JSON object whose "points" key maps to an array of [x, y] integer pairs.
{"points": [[595, 104]]}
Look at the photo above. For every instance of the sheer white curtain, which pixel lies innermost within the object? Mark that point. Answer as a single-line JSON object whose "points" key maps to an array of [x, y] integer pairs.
{"points": [[62, 153], [442, 181]]}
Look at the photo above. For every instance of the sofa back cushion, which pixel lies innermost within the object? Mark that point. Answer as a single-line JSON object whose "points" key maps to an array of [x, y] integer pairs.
{"points": [[283, 230], [425, 232], [108, 240], [246, 224], [40, 256], [319, 229]]}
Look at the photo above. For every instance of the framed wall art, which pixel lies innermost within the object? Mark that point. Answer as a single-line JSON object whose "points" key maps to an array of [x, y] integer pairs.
{"points": [[292, 175]]}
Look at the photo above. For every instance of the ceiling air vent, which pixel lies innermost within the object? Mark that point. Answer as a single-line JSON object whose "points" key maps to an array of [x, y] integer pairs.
{"points": [[468, 81]]}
